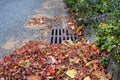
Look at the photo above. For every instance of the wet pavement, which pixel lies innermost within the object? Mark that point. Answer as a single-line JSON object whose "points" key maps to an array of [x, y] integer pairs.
{"points": [[14, 15]]}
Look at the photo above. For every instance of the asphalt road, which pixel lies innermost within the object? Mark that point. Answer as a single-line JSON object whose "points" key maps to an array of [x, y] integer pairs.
{"points": [[13, 16]]}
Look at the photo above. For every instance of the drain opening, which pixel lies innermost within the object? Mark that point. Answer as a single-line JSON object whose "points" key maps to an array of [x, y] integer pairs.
{"points": [[60, 39], [56, 32], [57, 35], [52, 32], [67, 38], [59, 31], [72, 38], [55, 39], [51, 39]]}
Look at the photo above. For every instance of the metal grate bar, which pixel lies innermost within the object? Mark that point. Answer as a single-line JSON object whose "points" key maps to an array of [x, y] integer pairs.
{"points": [[58, 36], [73, 37], [69, 37], [65, 34], [61, 35]]}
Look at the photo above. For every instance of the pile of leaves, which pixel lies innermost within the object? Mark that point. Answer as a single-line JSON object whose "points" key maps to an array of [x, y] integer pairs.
{"points": [[66, 61]]}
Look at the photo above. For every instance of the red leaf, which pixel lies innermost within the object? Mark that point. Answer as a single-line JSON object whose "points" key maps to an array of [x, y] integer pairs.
{"points": [[51, 70], [93, 47], [7, 58], [57, 78], [86, 54]]}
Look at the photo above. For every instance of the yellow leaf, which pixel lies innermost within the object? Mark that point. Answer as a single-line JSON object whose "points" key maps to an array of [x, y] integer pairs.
{"points": [[71, 73], [98, 74], [24, 63], [87, 78], [21, 62], [78, 30]]}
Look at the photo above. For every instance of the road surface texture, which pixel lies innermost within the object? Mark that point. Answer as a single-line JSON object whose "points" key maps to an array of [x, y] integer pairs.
{"points": [[14, 15]]}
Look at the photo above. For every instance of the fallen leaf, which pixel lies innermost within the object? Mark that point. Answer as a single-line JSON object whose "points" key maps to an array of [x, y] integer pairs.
{"points": [[43, 20], [49, 26], [78, 30], [36, 64], [7, 58], [86, 55], [72, 27], [85, 61], [107, 76], [87, 78], [34, 77], [51, 70], [51, 60], [95, 66], [55, 18], [97, 73], [24, 63], [93, 47], [2, 78], [71, 73], [91, 62], [50, 78]]}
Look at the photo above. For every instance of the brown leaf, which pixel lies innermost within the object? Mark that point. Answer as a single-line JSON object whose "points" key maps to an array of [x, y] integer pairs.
{"points": [[49, 26], [91, 62], [43, 20], [95, 66], [34, 77], [107, 76], [97, 73], [55, 18], [78, 30]]}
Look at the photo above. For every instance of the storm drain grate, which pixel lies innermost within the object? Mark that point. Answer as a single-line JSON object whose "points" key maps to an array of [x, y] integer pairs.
{"points": [[57, 35]]}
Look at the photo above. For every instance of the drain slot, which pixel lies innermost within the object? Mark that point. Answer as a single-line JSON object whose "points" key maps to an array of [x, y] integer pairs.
{"points": [[52, 32], [60, 39], [51, 39], [56, 32], [67, 38], [59, 31], [55, 39]]}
